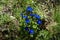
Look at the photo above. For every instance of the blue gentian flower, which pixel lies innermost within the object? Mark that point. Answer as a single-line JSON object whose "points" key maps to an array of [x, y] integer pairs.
{"points": [[31, 31], [27, 20], [25, 17], [32, 14], [37, 16], [39, 22], [29, 9], [26, 28]]}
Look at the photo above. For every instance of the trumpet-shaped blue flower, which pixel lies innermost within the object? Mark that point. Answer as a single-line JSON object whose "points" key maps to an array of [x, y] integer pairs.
{"points": [[27, 20], [32, 14], [29, 9], [31, 31], [37, 16], [25, 17], [39, 22]]}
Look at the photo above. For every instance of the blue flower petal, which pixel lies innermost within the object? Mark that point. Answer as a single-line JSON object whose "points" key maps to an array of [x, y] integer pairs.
{"points": [[39, 22], [31, 31], [29, 9], [27, 20], [32, 14], [37, 16], [25, 17]]}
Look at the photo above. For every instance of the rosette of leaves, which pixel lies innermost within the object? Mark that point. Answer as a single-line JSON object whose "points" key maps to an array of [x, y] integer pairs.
{"points": [[4, 18]]}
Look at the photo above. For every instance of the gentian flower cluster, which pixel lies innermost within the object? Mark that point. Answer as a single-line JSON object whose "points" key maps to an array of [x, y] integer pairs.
{"points": [[28, 20]]}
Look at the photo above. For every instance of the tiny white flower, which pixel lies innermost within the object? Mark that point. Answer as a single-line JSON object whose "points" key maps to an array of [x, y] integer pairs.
{"points": [[12, 17], [32, 1]]}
